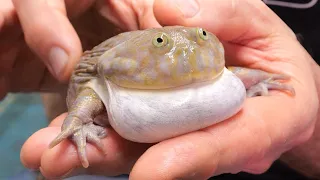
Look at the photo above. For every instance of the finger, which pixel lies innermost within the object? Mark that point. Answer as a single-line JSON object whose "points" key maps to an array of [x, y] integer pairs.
{"points": [[128, 15], [50, 35], [233, 20], [76, 7], [58, 121], [191, 156], [227, 147], [239, 24], [7, 15], [10, 37], [34, 147], [31, 156], [63, 160]]}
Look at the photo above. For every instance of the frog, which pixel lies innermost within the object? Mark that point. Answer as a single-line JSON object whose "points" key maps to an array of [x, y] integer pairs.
{"points": [[155, 84]]}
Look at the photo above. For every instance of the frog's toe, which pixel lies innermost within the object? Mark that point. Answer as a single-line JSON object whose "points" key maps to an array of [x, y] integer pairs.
{"points": [[94, 134], [81, 133], [91, 133], [80, 140], [262, 88], [64, 134]]}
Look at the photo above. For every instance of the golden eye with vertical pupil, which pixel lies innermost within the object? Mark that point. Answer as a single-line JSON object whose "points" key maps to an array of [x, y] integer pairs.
{"points": [[160, 40], [202, 34]]}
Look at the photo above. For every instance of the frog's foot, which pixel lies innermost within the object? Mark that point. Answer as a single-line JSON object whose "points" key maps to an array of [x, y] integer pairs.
{"points": [[258, 82], [80, 133], [262, 88], [91, 133]]}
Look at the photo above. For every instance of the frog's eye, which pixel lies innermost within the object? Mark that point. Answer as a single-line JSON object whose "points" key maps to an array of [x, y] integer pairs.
{"points": [[202, 34], [160, 40]]}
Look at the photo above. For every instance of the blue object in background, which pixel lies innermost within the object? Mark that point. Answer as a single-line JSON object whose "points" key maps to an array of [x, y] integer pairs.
{"points": [[20, 116]]}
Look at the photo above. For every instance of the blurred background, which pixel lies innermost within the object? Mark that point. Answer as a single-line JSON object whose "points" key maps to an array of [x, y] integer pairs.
{"points": [[20, 116]]}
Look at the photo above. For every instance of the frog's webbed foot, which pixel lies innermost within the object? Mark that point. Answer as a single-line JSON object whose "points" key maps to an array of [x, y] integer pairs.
{"points": [[91, 133], [258, 82], [262, 88], [80, 133], [80, 126]]}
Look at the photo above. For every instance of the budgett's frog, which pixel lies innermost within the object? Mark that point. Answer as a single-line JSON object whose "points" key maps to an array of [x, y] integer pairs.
{"points": [[155, 84]]}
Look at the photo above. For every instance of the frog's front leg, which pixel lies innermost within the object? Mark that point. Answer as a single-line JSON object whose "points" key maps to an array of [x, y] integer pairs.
{"points": [[80, 124], [258, 82]]}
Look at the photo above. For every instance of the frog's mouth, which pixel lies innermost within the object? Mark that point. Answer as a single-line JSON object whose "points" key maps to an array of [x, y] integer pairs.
{"points": [[170, 83]]}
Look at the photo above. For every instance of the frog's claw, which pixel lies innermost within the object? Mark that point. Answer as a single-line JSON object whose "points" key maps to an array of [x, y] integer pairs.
{"points": [[67, 131]]}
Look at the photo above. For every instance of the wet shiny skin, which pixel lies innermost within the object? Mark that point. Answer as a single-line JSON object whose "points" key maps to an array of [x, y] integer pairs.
{"points": [[165, 58]]}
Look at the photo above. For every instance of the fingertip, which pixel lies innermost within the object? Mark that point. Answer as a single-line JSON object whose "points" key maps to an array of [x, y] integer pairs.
{"points": [[34, 147], [167, 13], [63, 159], [58, 161], [192, 13], [58, 121]]}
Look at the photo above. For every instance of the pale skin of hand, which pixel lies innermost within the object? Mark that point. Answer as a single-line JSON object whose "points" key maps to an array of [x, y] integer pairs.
{"points": [[250, 141], [29, 41], [21, 48]]}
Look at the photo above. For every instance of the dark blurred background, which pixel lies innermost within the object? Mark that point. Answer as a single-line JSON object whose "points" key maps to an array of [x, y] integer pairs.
{"points": [[302, 16]]}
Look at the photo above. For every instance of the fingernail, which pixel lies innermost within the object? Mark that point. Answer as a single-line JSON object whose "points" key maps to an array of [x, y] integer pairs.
{"points": [[188, 8], [57, 60]]}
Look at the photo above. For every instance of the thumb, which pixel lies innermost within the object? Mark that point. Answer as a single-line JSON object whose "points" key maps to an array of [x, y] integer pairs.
{"points": [[230, 20], [49, 34]]}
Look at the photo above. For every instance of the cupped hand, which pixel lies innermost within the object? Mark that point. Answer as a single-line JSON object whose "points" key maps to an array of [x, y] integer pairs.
{"points": [[250, 141]]}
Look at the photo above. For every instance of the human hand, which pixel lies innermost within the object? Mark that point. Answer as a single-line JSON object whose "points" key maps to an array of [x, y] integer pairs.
{"points": [[16, 67], [250, 141], [33, 36], [305, 158]]}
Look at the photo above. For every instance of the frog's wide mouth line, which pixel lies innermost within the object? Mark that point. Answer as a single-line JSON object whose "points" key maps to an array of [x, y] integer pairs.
{"points": [[191, 85]]}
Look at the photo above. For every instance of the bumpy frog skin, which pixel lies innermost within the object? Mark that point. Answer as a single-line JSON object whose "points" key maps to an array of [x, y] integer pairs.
{"points": [[155, 84]]}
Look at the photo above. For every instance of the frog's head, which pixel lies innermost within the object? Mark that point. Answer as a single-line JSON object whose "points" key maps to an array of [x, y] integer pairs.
{"points": [[164, 58]]}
